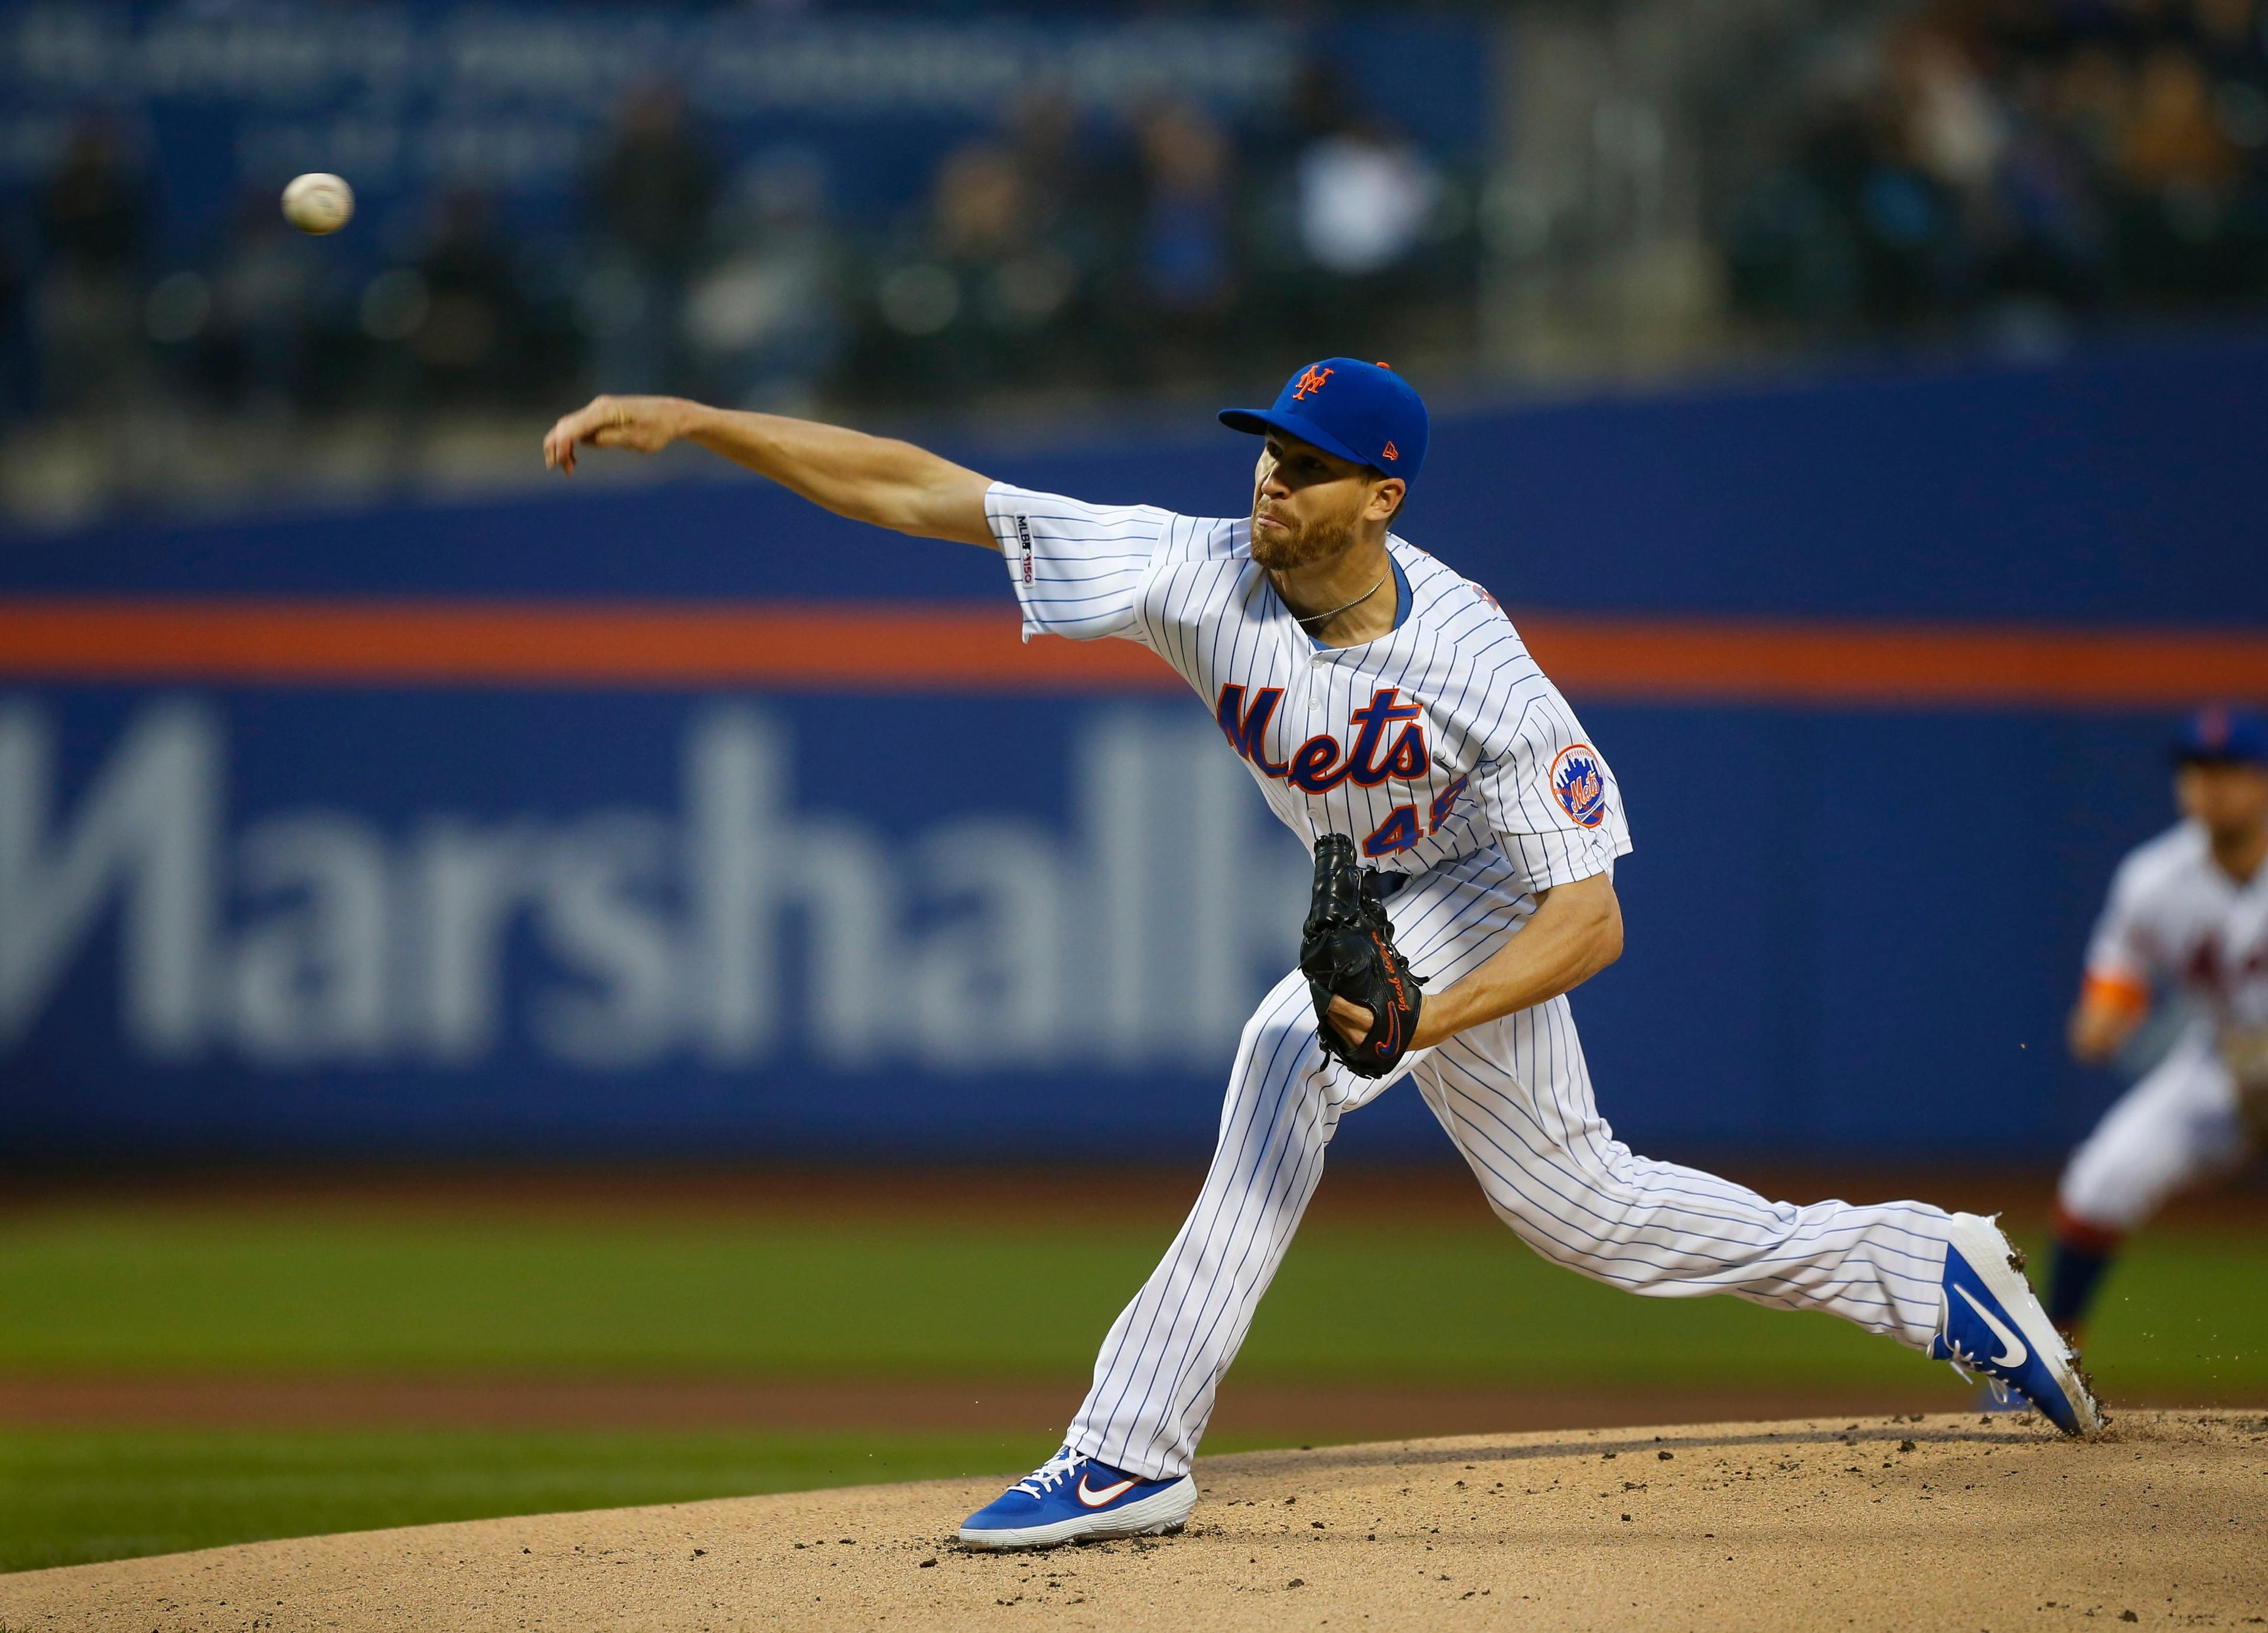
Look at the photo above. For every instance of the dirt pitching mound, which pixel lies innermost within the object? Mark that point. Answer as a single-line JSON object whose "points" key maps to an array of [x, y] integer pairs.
{"points": [[1952, 1522]]}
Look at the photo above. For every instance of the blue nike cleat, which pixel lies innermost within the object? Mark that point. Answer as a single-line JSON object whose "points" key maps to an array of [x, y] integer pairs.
{"points": [[1990, 1323], [1069, 1498]]}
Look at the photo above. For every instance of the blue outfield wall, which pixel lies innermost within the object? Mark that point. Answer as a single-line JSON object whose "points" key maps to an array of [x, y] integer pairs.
{"points": [[347, 921]]}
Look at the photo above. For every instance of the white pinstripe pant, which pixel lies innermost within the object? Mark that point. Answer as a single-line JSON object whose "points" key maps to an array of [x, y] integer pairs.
{"points": [[1515, 1097], [2180, 1124]]}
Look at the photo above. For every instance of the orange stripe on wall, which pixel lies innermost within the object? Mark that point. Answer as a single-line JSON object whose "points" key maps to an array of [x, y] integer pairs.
{"points": [[776, 645], [1670, 660], [869, 647]]}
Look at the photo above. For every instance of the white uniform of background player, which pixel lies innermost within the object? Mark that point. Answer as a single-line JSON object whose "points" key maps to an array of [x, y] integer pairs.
{"points": [[1511, 799], [2188, 914]]}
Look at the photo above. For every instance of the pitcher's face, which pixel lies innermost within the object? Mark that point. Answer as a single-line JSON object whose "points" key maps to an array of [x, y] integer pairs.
{"points": [[1308, 505]]}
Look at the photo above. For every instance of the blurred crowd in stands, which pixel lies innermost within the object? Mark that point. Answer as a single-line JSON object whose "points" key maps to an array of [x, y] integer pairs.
{"points": [[1163, 249], [2008, 168], [2015, 164]]}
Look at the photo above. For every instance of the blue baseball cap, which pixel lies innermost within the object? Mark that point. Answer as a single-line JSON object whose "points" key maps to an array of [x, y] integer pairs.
{"points": [[1360, 411], [2225, 735]]}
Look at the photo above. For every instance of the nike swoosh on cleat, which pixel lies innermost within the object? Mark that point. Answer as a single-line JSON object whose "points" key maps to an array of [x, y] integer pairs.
{"points": [[1096, 1499], [2016, 1353]]}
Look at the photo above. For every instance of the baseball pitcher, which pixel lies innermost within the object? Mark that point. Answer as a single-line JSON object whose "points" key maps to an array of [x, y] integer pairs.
{"points": [[1465, 831]]}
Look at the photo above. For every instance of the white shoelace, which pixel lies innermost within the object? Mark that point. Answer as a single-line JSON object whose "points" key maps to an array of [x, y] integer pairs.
{"points": [[1050, 1474], [1961, 1361]]}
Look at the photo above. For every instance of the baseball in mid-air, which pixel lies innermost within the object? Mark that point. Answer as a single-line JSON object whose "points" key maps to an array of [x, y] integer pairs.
{"points": [[318, 203]]}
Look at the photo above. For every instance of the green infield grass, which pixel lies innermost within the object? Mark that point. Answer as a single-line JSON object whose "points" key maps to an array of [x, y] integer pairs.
{"points": [[75, 1495], [293, 1287]]}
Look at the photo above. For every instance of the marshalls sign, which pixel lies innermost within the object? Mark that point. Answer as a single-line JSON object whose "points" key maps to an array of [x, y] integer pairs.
{"points": [[492, 923]]}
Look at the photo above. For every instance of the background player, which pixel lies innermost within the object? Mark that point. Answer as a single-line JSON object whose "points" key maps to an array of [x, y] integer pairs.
{"points": [[2188, 913], [1376, 695]]}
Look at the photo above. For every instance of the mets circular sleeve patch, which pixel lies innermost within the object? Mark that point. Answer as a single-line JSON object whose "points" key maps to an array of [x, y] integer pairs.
{"points": [[1579, 785]]}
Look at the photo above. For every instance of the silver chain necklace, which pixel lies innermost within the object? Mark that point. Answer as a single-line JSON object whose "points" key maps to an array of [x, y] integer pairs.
{"points": [[1316, 618]]}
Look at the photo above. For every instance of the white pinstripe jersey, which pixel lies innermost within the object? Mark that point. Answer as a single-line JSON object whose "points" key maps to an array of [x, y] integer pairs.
{"points": [[2177, 918], [1439, 748]]}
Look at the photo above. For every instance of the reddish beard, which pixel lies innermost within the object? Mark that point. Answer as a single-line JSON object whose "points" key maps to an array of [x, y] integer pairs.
{"points": [[1301, 544]]}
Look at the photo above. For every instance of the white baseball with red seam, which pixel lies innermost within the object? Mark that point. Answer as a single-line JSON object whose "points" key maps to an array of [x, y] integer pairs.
{"points": [[318, 203]]}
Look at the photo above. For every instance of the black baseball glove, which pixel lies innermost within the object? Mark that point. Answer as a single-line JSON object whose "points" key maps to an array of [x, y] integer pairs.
{"points": [[1346, 950]]}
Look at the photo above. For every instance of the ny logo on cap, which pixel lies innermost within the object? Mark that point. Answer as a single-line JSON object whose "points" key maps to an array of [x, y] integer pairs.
{"points": [[1311, 380]]}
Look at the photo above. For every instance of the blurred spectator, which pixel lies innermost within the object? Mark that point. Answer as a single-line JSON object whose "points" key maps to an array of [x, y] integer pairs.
{"points": [[1365, 200], [258, 313], [967, 295], [2046, 245], [2001, 158], [1852, 227], [1186, 249], [650, 195], [983, 292], [1955, 131], [1351, 241], [1081, 189], [766, 320], [2179, 171], [18, 385], [469, 345], [2174, 140], [94, 212], [2012, 170], [1073, 186], [94, 221]]}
